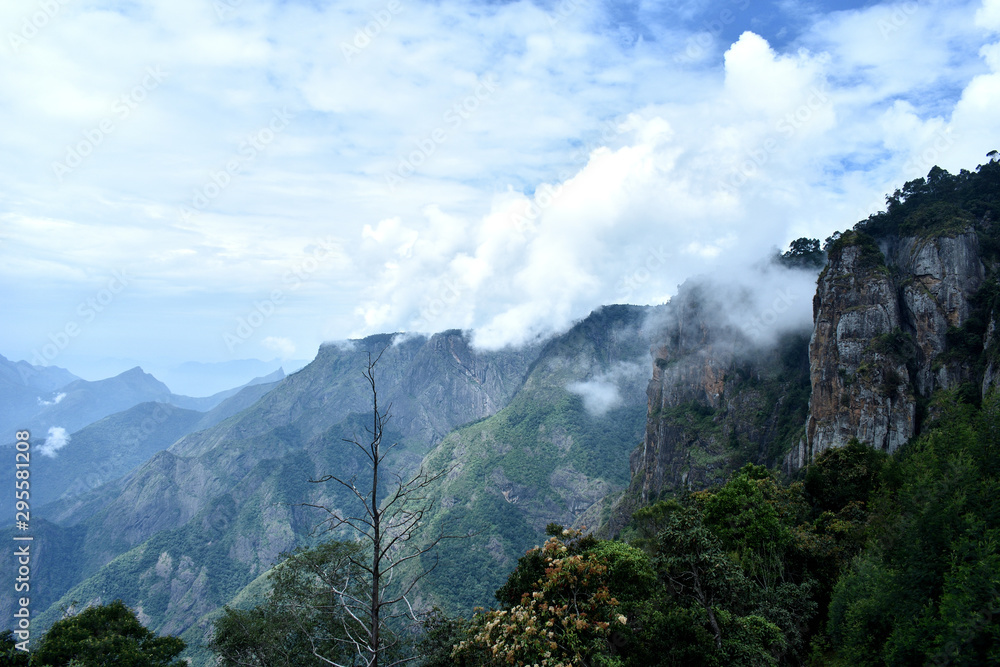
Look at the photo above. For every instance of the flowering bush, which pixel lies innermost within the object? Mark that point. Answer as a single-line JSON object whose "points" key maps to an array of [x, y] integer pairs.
{"points": [[566, 620]]}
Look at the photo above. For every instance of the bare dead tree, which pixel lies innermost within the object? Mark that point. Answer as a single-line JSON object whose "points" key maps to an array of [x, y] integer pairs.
{"points": [[390, 516]]}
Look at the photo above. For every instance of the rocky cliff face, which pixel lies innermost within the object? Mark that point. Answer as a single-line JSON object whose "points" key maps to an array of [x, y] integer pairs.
{"points": [[991, 376], [551, 455], [882, 318], [718, 398], [894, 320]]}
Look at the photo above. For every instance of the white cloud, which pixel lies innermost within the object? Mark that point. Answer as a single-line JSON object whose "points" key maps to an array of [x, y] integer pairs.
{"points": [[55, 399], [56, 440], [602, 392], [598, 397], [284, 347], [664, 166], [988, 16]]}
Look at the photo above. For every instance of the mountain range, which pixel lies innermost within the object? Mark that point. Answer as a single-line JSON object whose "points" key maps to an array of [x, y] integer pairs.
{"points": [[178, 506]]}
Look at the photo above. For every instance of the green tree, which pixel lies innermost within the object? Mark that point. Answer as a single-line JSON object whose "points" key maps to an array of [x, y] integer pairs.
{"points": [[754, 517], [441, 634], [803, 253], [842, 475], [10, 655], [302, 621], [699, 573], [103, 636], [927, 588]]}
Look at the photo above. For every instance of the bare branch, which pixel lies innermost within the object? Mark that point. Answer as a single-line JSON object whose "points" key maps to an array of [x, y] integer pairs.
{"points": [[386, 524]]}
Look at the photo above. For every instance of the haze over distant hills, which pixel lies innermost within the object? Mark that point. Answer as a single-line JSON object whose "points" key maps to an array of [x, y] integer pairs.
{"points": [[88, 433], [196, 378]]}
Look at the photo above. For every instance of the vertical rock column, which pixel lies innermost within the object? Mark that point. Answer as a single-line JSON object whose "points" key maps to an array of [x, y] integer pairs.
{"points": [[859, 389]]}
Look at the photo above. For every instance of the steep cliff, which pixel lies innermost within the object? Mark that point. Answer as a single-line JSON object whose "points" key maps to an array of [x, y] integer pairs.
{"points": [[552, 455], [904, 308], [721, 394], [881, 333]]}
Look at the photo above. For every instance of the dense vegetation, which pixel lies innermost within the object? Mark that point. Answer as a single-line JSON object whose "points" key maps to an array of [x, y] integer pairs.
{"points": [[867, 560], [98, 636]]}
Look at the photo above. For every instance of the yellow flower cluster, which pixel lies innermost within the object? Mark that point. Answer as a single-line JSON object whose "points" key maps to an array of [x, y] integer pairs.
{"points": [[564, 621]]}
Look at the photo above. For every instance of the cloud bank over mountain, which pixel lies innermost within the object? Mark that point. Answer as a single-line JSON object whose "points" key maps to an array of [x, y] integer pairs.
{"points": [[271, 175]]}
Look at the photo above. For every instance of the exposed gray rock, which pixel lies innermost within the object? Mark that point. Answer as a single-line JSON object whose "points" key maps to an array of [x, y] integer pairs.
{"points": [[880, 328]]}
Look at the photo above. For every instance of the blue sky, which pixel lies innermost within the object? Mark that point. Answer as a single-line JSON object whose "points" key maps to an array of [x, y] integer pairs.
{"points": [[211, 180]]}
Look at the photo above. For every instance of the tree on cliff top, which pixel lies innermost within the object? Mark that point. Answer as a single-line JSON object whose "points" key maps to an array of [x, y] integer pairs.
{"points": [[803, 253]]}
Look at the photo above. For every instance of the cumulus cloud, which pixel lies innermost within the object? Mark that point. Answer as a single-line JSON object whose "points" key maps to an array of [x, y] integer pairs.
{"points": [[988, 16], [534, 263], [603, 165], [55, 399], [706, 186], [56, 440]]}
